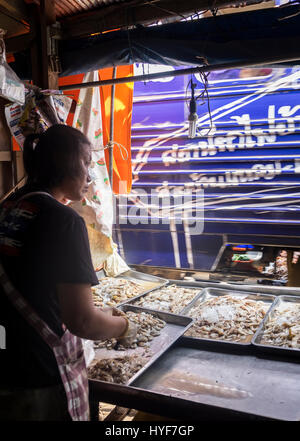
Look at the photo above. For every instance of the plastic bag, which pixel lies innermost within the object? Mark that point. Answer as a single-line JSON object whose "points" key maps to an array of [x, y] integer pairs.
{"points": [[88, 350], [97, 205], [114, 264], [11, 87], [41, 110]]}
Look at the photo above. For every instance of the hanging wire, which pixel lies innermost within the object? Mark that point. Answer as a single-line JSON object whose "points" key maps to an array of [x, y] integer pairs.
{"points": [[176, 14], [186, 92], [111, 143], [203, 96], [214, 11]]}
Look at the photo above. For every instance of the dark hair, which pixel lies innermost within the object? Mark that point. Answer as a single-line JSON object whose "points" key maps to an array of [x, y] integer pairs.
{"points": [[55, 156]]}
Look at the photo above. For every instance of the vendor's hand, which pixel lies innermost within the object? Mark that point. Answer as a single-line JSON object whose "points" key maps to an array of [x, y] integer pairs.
{"points": [[119, 313], [113, 312], [129, 336], [108, 310]]}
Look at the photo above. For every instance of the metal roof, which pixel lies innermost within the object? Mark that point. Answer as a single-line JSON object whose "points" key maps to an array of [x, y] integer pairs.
{"points": [[65, 8], [85, 17]]}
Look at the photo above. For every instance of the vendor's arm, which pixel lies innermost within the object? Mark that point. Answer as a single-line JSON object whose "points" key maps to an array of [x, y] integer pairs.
{"points": [[81, 317], [75, 275]]}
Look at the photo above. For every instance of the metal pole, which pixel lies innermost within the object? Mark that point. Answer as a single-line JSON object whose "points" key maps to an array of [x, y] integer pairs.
{"points": [[111, 143], [175, 73]]}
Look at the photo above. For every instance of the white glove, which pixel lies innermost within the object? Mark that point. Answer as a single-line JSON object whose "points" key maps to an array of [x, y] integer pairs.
{"points": [[129, 336]]}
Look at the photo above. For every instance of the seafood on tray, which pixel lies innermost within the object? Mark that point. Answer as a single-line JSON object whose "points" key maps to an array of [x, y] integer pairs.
{"points": [[283, 328], [117, 370], [112, 291], [226, 317], [172, 299], [148, 327]]}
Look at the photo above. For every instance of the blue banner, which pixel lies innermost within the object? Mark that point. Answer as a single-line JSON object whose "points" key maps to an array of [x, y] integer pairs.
{"points": [[239, 177]]}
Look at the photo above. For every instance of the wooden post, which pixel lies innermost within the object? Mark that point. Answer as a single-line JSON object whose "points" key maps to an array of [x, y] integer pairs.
{"points": [[42, 17]]}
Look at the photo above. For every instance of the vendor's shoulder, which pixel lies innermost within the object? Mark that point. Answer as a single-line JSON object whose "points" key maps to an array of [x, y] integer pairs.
{"points": [[61, 209], [52, 209]]}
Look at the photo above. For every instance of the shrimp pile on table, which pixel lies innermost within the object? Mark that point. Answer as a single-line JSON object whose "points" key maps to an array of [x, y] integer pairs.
{"points": [[172, 298], [226, 317], [148, 327], [116, 370], [112, 291], [283, 328]]}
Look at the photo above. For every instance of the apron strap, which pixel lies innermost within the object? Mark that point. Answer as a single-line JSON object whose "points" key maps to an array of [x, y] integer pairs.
{"points": [[25, 196], [27, 311]]}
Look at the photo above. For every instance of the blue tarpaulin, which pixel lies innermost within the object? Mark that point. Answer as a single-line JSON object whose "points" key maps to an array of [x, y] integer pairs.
{"points": [[238, 37], [231, 38]]}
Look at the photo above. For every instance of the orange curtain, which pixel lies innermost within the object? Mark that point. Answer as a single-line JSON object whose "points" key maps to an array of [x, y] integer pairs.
{"points": [[122, 174]]}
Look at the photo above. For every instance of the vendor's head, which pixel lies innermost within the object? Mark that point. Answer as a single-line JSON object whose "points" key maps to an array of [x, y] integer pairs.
{"points": [[57, 160]]}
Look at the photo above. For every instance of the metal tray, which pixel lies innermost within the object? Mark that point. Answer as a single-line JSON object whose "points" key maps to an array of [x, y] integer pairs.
{"points": [[210, 383], [257, 289], [178, 283], [215, 292], [272, 349], [147, 281], [175, 326]]}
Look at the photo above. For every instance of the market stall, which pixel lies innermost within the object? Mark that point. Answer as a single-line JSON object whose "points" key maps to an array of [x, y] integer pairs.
{"points": [[204, 350], [228, 363]]}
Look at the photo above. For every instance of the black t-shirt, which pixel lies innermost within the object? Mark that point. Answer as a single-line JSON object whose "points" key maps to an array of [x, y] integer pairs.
{"points": [[42, 243]]}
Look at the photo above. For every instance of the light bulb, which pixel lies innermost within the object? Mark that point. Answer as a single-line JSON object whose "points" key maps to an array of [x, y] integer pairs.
{"points": [[193, 117]]}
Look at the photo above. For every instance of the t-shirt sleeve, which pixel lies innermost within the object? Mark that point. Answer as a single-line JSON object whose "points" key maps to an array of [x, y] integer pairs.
{"points": [[74, 262]]}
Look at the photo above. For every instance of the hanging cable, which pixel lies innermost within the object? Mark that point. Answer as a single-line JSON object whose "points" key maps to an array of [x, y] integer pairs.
{"points": [[205, 97], [109, 144]]}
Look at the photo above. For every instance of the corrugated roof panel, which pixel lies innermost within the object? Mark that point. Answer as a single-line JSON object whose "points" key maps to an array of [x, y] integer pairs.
{"points": [[69, 7], [63, 8]]}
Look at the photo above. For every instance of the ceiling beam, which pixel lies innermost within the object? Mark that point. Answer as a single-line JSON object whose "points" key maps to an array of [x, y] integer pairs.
{"points": [[14, 17], [14, 8], [128, 14]]}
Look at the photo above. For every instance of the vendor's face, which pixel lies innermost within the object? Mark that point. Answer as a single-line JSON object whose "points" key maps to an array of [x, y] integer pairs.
{"points": [[75, 189]]}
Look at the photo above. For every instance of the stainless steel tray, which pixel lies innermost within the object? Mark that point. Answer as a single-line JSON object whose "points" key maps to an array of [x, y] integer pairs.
{"points": [[215, 292], [147, 281], [190, 285], [257, 289], [211, 382], [175, 326], [273, 349]]}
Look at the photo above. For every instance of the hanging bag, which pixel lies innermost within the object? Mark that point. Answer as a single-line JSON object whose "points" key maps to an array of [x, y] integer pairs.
{"points": [[11, 87]]}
